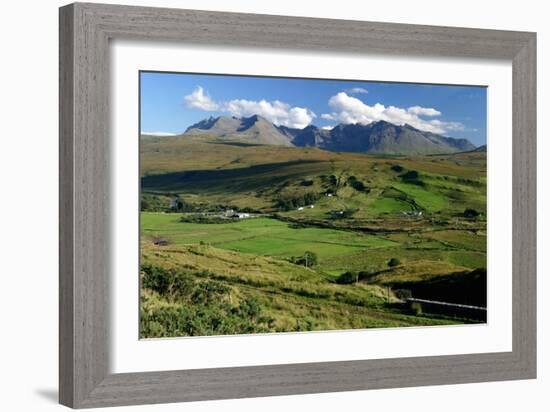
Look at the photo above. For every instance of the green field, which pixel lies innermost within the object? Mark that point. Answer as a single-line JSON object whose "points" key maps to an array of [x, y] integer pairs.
{"points": [[311, 221], [261, 236]]}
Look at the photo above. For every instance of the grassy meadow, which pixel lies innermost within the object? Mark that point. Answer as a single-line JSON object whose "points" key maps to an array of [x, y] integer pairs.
{"points": [[243, 238]]}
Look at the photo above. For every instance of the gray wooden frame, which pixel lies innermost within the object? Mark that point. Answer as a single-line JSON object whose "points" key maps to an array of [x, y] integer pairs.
{"points": [[85, 31]]}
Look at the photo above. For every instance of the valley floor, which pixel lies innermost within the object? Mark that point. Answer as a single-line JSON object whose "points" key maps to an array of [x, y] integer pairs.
{"points": [[250, 263], [239, 238]]}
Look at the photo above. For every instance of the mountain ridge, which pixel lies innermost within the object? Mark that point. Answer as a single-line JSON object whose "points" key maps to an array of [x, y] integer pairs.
{"points": [[255, 129], [376, 137]]}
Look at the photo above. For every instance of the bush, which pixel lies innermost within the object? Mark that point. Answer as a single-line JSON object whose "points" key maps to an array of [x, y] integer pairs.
{"points": [[347, 278], [416, 308], [206, 219], [357, 184], [308, 259], [471, 213], [297, 225], [410, 175], [198, 306], [150, 202], [413, 177], [286, 203], [397, 168], [393, 262], [403, 294]]}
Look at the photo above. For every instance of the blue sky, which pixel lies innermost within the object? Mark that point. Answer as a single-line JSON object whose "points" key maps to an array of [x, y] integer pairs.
{"points": [[170, 102]]}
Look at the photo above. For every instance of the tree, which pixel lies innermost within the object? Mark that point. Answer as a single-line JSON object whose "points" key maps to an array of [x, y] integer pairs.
{"points": [[393, 262], [348, 278], [308, 259]]}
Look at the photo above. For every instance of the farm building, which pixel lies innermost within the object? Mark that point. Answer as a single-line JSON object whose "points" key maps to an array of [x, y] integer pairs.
{"points": [[229, 212]]}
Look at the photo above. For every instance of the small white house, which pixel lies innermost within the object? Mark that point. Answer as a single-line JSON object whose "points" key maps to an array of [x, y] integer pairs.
{"points": [[229, 212], [243, 215], [301, 208], [329, 194], [311, 206]]}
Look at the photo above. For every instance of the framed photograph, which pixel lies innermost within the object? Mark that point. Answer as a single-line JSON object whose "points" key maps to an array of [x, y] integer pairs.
{"points": [[257, 205]]}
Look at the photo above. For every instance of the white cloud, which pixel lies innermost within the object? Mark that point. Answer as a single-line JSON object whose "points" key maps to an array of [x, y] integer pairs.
{"points": [[199, 100], [423, 111], [328, 127], [158, 133], [277, 112], [357, 90], [328, 116], [348, 109], [450, 126]]}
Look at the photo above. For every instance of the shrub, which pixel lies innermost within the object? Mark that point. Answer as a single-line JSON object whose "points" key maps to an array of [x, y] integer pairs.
{"points": [[332, 179], [393, 262], [366, 275], [297, 225], [357, 184], [292, 202], [416, 308], [156, 278], [150, 202], [403, 294], [410, 175], [308, 259], [471, 213], [198, 306], [413, 177], [206, 219], [347, 278], [397, 168]]}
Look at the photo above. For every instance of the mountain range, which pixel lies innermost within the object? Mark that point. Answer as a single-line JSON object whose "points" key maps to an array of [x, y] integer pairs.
{"points": [[375, 137]]}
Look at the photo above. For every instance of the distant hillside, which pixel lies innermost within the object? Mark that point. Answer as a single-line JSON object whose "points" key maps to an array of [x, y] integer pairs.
{"points": [[377, 137]]}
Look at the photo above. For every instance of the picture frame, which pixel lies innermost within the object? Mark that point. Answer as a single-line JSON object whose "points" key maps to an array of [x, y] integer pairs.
{"points": [[85, 33]]}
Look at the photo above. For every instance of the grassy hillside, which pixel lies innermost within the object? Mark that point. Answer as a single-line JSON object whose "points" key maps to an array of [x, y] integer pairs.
{"points": [[285, 296], [309, 222], [256, 176]]}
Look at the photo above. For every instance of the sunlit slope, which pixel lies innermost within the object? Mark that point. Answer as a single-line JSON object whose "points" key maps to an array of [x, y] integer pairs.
{"points": [[287, 297], [210, 170]]}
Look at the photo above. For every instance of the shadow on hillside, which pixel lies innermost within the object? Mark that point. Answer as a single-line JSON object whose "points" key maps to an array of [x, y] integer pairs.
{"points": [[233, 143], [467, 288], [233, 180]]}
